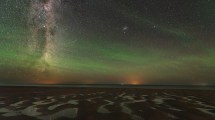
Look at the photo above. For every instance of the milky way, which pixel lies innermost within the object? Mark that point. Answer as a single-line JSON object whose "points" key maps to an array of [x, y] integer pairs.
{"points": [[42, 23]]}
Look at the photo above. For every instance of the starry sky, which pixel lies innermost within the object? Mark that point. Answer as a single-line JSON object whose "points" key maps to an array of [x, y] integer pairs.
{"points": [[162, 42]]}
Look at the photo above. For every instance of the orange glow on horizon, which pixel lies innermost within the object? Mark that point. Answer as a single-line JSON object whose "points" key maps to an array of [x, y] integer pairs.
{"points": [[48, 82], [134, 79]]}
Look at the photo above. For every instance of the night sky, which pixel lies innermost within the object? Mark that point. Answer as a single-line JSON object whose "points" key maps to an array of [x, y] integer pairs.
{"points": [[107, 42]]}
